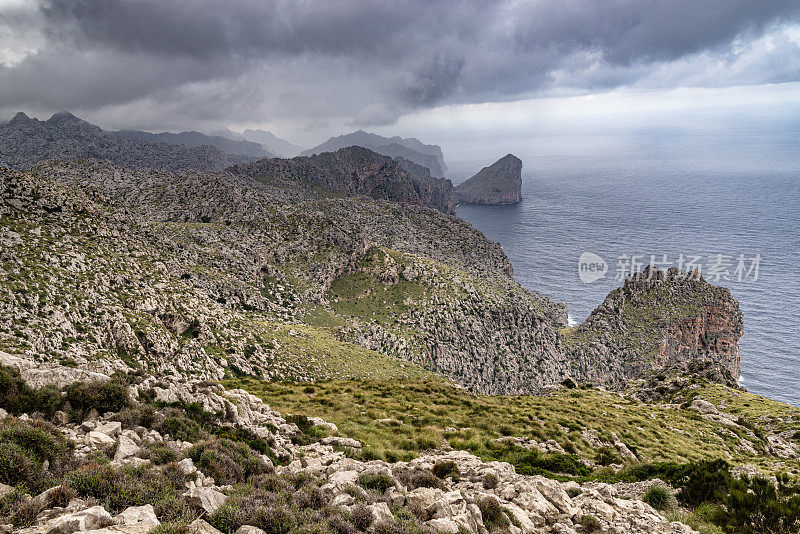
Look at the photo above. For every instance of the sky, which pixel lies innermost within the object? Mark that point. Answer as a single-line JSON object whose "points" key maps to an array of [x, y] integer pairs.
{"points": [[443, 70]]}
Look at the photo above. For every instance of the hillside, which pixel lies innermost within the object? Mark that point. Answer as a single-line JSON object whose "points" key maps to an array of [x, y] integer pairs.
{"points": [[197, 139], [24, 142], [357, 171], [429, 156], [145, 308]]}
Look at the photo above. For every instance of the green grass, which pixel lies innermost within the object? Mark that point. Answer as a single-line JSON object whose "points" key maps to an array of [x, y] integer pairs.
{"points": [[402, 418]]}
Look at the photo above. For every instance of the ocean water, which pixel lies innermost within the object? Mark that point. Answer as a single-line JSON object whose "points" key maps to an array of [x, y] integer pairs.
{"points": [[708, 192]]}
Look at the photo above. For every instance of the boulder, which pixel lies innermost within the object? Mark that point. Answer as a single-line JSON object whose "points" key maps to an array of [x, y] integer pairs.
{"points": [[208, 499], [198, 526], [137, 514], [92, 518]]}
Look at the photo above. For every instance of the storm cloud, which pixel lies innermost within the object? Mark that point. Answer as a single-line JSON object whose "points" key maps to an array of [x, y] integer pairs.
{"points": [[160, 65]]}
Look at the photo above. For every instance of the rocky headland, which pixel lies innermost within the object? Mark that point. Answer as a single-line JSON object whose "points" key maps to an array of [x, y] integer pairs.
{"points": [[499, 183]]}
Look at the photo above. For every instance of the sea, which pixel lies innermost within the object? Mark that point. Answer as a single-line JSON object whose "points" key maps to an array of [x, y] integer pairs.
{"points": [[725, 198]]}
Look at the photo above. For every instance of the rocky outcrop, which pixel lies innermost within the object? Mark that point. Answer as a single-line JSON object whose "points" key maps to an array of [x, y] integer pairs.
{"points": [[499, 183], [658, 320], [429, 156], [24, 142], [356, 171]]}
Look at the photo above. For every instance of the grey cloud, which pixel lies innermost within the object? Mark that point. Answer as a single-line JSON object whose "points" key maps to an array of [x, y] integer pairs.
{"points": [[367, 62]]}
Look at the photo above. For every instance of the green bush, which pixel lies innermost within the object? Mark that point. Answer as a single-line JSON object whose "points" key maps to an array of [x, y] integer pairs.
{"points": [[226, 461], [103, 396], [607, 456], [590, 523], [16, 397], [493, 515], [490, 481], [379, 482], [658, 496], [361, 517], [119, 488], [753, 506], [446, 469], [24, 448]]}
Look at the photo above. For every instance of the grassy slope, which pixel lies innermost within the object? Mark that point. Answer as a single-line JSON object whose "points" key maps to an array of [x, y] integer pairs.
{"points": [[430, 412]]}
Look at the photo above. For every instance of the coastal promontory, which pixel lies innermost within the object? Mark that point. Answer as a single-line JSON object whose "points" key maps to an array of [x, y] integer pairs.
{"points": [[499, 183]]}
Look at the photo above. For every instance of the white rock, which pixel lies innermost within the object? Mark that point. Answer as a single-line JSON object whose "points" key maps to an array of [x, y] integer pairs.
{"points": [[137, 514], [92, 518], [381, 512], [249, 529], [126, 448], [110, 428], [198, 526], [97, 439], [206, 498]]}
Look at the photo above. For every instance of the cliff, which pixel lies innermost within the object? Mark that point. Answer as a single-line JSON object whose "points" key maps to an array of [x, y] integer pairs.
{"points": [[499, 183], [196, 139], [358, 171], [24, 142], [658, 320]]}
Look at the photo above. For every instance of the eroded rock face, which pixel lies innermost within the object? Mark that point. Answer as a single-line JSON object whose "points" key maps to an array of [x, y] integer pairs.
{"points": [[659, 320], [499, 183], [357, 171]]}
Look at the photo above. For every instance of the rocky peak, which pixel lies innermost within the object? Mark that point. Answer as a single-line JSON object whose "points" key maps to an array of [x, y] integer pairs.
{"points": [[19, 118], [659, 319], [499, 183]]}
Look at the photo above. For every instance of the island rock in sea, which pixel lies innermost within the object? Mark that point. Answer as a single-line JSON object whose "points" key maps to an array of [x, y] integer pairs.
{"points": [[499, 183]]}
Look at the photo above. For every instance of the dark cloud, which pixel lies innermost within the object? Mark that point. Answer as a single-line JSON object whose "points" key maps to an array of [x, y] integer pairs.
{"points": [[368, 62]]}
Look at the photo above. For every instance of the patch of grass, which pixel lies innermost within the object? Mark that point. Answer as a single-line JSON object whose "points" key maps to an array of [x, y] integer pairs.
{"points": [[438, 412]]}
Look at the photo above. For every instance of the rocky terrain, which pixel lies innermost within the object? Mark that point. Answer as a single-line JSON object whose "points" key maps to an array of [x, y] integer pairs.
{"points": [[146, 315], [24, 142], [247, 272], [114, 468], [429, 156], [499, 183], [358, 171]]}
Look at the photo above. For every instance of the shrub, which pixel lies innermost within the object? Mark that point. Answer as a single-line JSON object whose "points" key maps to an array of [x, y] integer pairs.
{"points": [[309, 497], [607, 456], [757, 505], [25, 446], [590, 523], [17, 397], [361, 517], [178, 426], [493, 515], [704, 481], [275, 520], [490, 481], [446, 469], [658, 496], [379, 482], [118, 489], [160, 454], [227, 462], [103, 396], [226, 517]]}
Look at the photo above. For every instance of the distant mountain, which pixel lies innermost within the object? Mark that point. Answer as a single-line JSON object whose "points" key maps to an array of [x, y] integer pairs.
{"points": [[24, 142], [355, 170], [197, 139], [273, 143], [429, 156], [499, 183]]}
